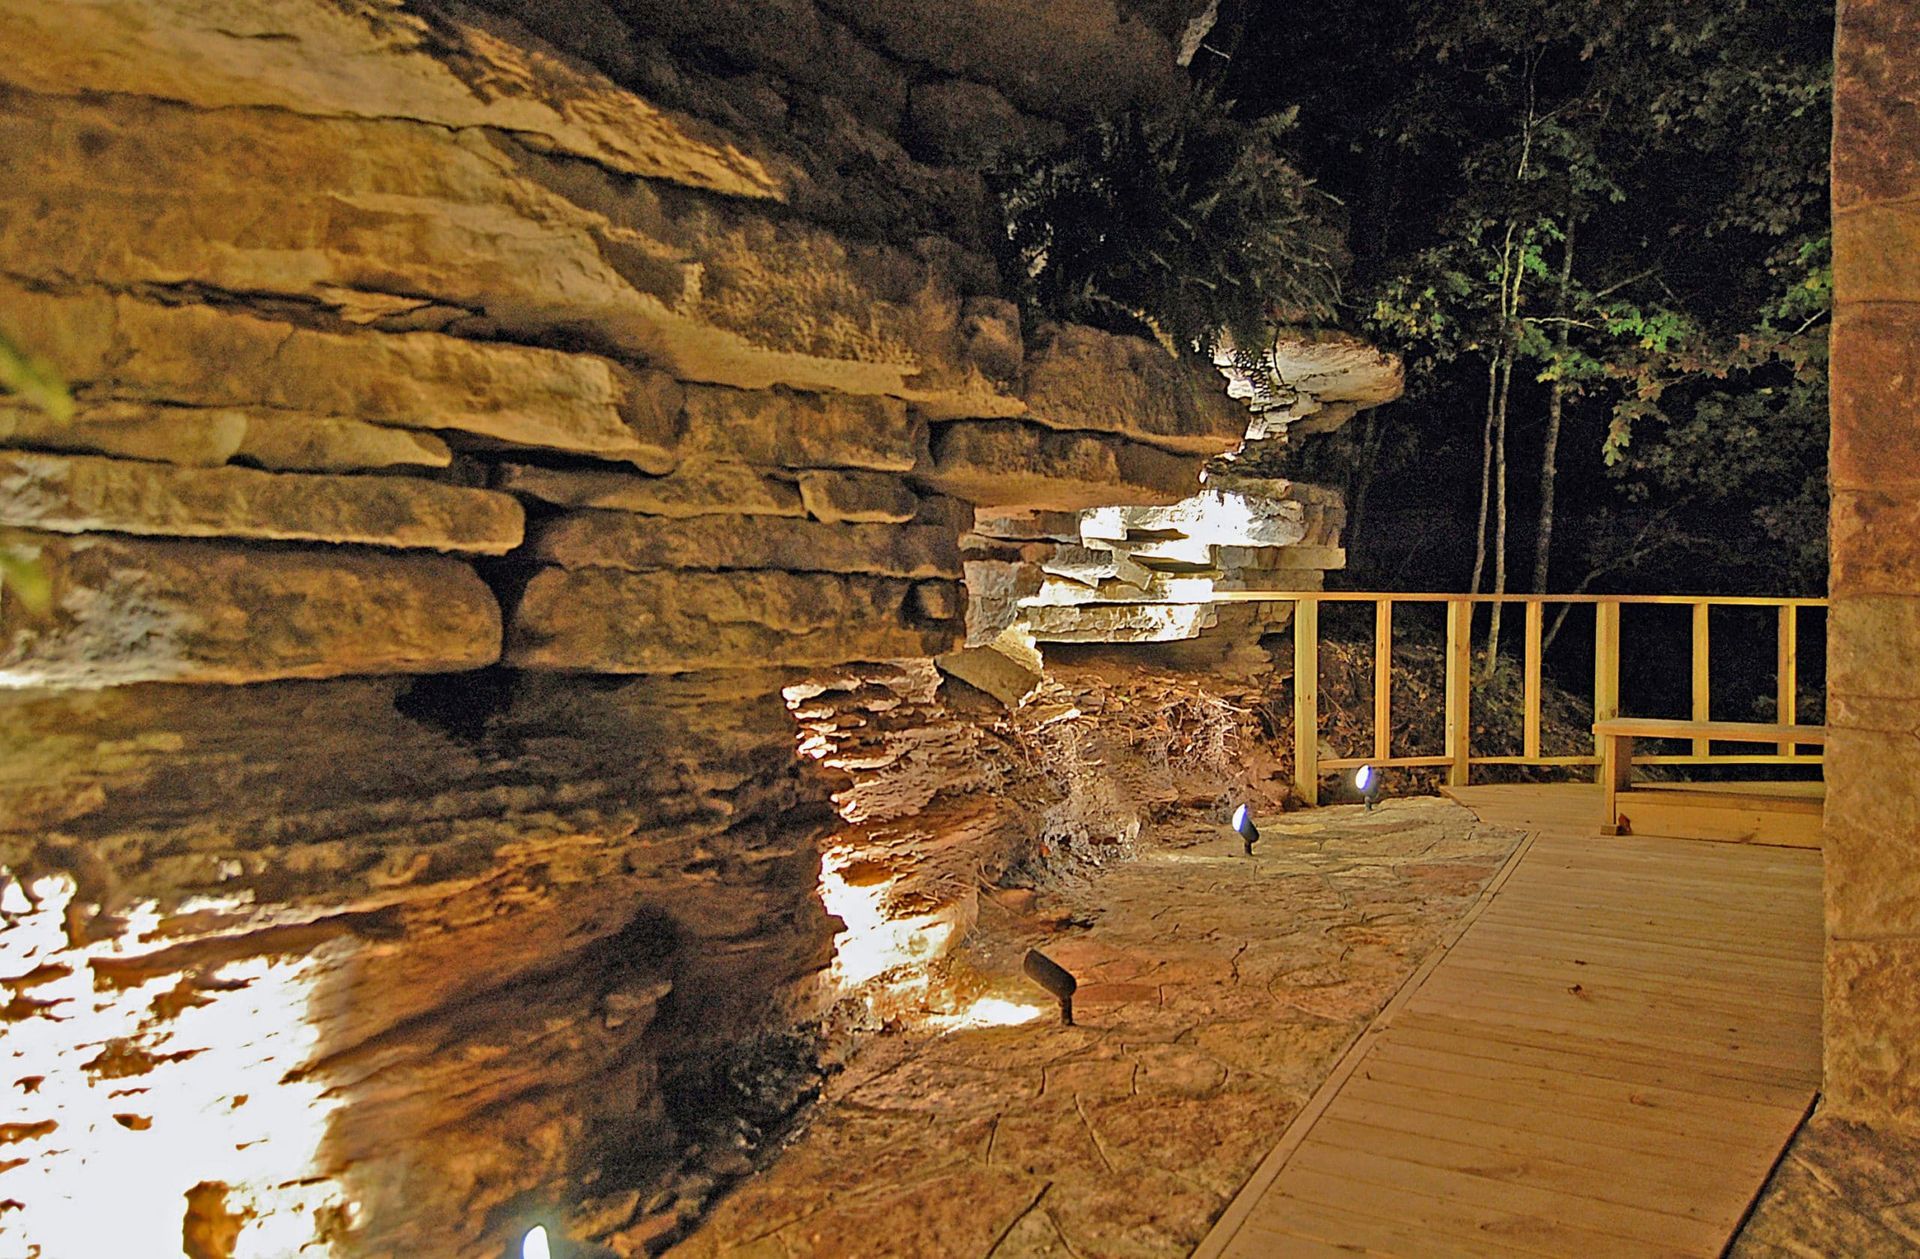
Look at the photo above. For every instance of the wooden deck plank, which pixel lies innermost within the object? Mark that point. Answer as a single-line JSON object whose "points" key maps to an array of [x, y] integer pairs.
{"points": [[1598, 1179], [1628, 1134], [1608, 1059], [1290, 1219], [1576, 1217], [1685, 1187], [1585, 919], [1605, 935], [1555, 916], [1569, 1064], [1447, 1215], [1720, 985], [1686, 1011], [1395, 1059], [1570, 956], [1604, 1051]]}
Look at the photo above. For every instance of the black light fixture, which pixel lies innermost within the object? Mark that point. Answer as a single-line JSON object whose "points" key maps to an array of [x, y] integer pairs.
{"points": [[1052, 976], [1243, 823], [1366, 780]]}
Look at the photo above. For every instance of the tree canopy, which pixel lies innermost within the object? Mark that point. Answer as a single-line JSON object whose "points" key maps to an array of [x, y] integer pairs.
{"points": [[1599, 234]]}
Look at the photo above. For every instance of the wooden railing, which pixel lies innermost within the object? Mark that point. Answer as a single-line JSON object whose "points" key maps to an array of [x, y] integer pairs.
{"points": [[1457, 756]]}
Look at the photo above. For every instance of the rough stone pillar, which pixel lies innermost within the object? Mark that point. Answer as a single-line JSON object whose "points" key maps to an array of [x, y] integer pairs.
{"points": [[1873, 801]]}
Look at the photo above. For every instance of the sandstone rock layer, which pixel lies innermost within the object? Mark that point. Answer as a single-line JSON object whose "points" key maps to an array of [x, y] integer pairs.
{"points": [[127, 610], [642, 338], [77, 494], [608, 621]]}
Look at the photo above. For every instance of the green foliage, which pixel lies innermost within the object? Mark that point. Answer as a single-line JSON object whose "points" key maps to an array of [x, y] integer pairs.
{"points": [[1740, 426], [40, 386], [35, 381], [21, 574], [1189, 223], [1672, 156]]}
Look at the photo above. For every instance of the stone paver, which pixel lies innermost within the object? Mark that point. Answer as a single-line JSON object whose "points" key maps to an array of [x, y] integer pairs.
{"points": [[1843, 1189], [1216, 993]]}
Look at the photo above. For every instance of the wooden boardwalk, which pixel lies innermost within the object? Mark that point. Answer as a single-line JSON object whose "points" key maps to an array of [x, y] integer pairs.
{"points": [[1607, 1060]]}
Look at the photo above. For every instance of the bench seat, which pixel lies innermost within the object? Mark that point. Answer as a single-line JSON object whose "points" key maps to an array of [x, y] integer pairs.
{"points": [[1767, 813]]}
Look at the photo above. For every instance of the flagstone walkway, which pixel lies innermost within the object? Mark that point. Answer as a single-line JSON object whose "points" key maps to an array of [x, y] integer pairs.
{"points": [[1216, 993]]}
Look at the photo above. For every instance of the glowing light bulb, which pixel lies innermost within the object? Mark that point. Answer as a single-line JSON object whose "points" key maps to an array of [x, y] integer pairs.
{"points": [[1363, 777], [534, 1244]]}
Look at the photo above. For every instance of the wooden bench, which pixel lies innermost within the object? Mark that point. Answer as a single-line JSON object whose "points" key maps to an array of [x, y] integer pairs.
{"points": [[1784, 813]]}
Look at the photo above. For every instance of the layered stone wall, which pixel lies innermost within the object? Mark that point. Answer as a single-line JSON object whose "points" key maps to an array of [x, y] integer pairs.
{"points": [[484, 412], [1165, 574], [1873, 679], [397, 795]]}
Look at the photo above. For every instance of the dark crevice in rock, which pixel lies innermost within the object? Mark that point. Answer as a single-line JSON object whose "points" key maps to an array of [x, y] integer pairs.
{"points": [[460, 705]]}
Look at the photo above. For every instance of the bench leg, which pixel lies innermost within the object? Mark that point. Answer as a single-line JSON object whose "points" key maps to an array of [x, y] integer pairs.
{"points": [[1616, 767]]}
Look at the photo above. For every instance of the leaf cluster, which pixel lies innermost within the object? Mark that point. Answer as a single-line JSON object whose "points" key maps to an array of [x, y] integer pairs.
{"points": [[39, 385], [1185, 222], [1677, 152]]}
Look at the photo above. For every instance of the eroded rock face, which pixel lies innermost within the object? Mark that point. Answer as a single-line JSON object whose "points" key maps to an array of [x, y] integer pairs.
{"points": [[129, 610], [692, 489], [278, 440], [643, 544], [82, 494], [1314, 381], [1155, 574], [858, 497], [1080, 378], [604, 620], [507, 910], [124, 348], [379, 62], [1025, 465], [440, 856], [795, 430]]}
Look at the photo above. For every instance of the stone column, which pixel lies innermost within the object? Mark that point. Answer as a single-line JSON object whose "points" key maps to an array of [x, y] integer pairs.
{"points": [[1873, 773]]}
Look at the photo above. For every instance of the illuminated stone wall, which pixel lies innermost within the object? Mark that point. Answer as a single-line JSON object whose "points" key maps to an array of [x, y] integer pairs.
{"points": [[1873, 766], [484, 412]]}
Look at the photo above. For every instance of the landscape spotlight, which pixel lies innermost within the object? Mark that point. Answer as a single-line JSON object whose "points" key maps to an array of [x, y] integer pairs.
{"points": [[1366, 780], [534, 1244], [1052, 976], [1243, 823]]}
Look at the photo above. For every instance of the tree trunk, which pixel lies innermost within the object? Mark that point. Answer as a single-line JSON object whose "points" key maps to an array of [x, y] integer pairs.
{"points": [[1500, 508], [1362, 480], [1486, 474], [1556, 402], [1504, 313]]}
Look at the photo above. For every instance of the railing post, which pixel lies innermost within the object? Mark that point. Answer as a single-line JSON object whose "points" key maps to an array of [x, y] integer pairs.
{"points": [[1459, 691], [1306, 699], [1787, 686], [1606, 666], [1702, 703], [1530, 729], [1382, 679]]}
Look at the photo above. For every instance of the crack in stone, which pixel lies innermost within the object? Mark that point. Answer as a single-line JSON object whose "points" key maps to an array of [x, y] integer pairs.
{"points": [[1093, 1136], [1015, 1222]]}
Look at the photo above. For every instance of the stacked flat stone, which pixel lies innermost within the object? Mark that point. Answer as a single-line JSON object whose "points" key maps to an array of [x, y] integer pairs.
{"points": [[469, 449]]}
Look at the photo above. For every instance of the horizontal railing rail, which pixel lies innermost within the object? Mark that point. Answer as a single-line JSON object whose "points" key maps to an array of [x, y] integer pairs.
{"points": [[1457, 755]]}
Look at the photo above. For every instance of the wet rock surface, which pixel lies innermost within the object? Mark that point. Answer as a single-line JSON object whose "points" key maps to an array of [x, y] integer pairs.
{"points": [[1215, 993]]}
